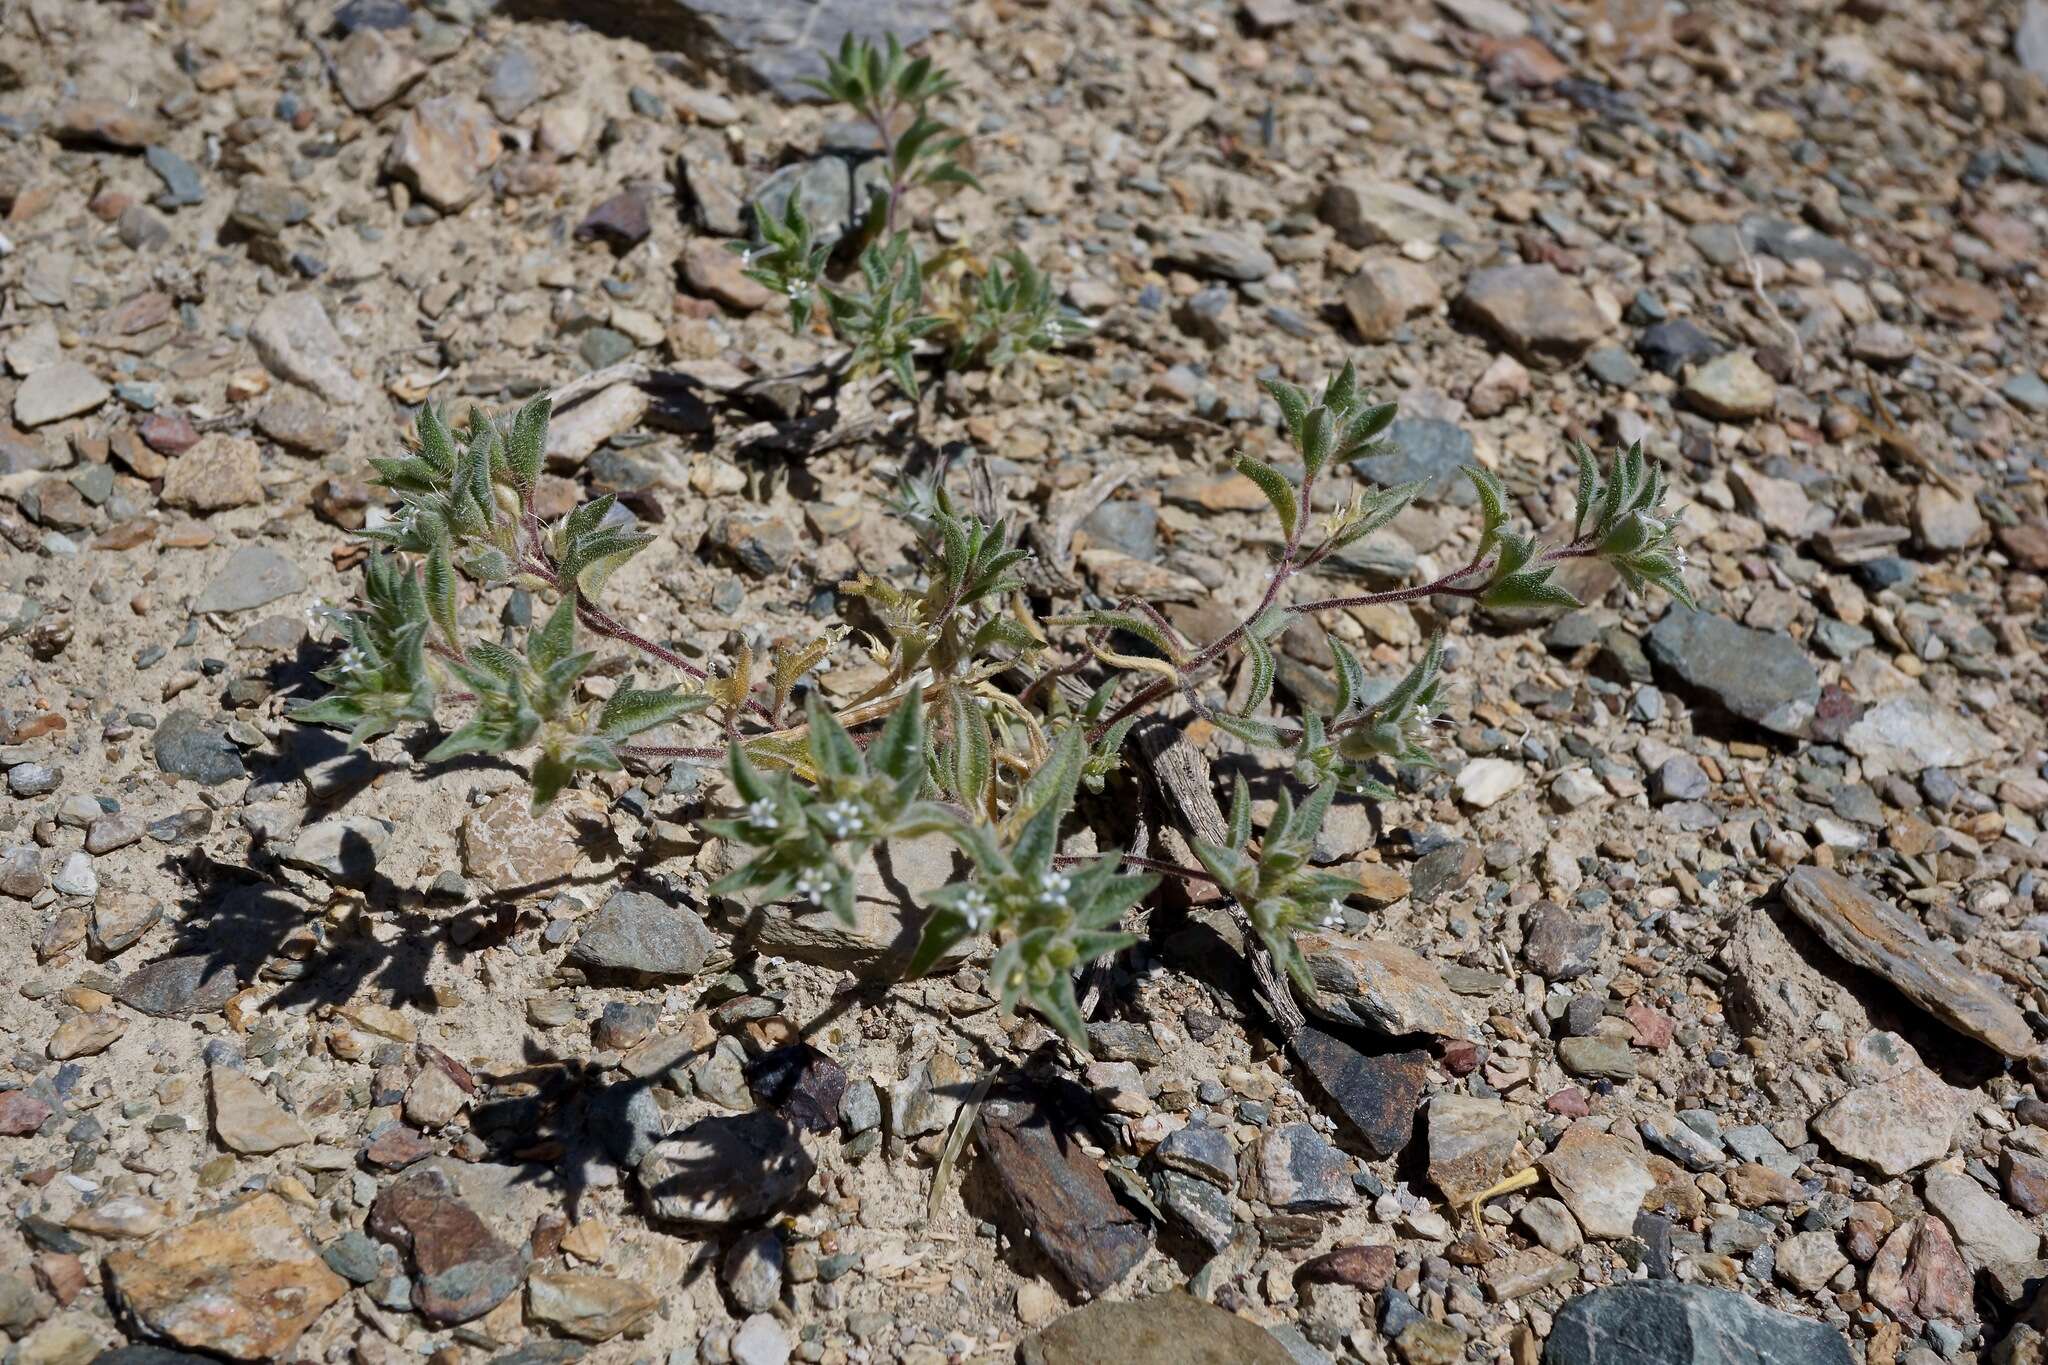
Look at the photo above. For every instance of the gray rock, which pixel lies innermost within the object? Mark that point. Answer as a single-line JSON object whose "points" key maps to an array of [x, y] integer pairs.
{"points": [[1428, 449], [183, 186], [1669, 346], [296, 342], [1195, 1206], [2030, 39], [187, 745], [1368, 212], [345, 849], [1663, 1322], [753, 1270], [1300, 1172], [642, 935], [1376, 1091], [1764, 677], [833, 190], [1679, 778], [1797, 242], [1912, 733], [57, 391], [1199, 1150], [777, 44], [1220, 255], [171, 987], [724, 1169], [515, 83], [1560, 946], [254, 576], [890, 890], [1537, 312]]}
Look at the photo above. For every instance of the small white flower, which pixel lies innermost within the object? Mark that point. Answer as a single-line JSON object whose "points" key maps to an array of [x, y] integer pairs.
{"points": [[812, 886], [761, 815], [841, 818], [1053, 888], [975, 909]]}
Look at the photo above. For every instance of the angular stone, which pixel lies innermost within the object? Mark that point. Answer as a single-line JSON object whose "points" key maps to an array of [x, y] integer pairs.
{"points": [[515, 851], [242, 1281], [1898, 1117], [1056, 1193], [1377, 1093], [1171, 1326], [343, 849], [1559, 945], [1473, 1143], [1539, 314], [22, 1113], [442, 149], [247, 1119], [1380, 985], [588, 1307], [57, 391], [297, 342], [219, 473], [723, 1170], [1761, 676], [1664, 1322], [574, 435], [799, 1083], [1601, 1179], [1870, 934], [461, 1269], [371, 69], [1986, 1231], [641, 935], [1368, 212], [890, 891], [86, 1035], [172, 987], [292, 420], [778, 45], [1808, 1260], [1912, 732], [254, 576], [1299, 1172], [1731, 387], [1386, 293]]}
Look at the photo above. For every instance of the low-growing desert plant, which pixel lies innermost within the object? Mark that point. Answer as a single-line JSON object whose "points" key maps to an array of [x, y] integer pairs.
{"points": [[965, 733], [983, 313]]}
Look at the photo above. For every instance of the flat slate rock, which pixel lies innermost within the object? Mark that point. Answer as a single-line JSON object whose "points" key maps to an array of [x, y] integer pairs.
{"points": [[1173, 1327], [1663, 1322], [1060, 1197], [777, 44], [1867, 932], [1376, 1092], [1762, 676], [254, 576]]}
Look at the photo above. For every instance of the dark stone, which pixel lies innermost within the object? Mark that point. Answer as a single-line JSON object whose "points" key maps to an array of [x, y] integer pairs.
{"points": [[800, 1083], [1377, 1092], [620, 220], [1560, 946], [1761, 676], [1797, 242], [461, 1269], [1442, 871], [1058, 1195], [171, 987], [1663, 1322], [186, 745], [1199, 1150], [150, 1355], [1427, 449], [1670, 346]]}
